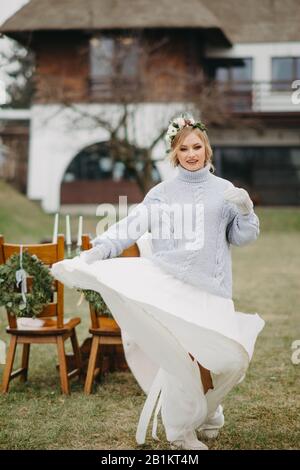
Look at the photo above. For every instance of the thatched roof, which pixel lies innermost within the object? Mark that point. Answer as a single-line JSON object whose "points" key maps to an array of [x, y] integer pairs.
{"points": [[94, 14], [234, 20], [258, 20]]}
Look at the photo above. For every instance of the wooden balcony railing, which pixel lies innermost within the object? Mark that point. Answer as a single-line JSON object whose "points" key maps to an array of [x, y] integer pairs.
{"points": [[237, 97], [115, 89], [259, 96]]}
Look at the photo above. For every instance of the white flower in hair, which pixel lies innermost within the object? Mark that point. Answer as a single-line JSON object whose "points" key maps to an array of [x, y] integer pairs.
{"points": [[172, 131], [189, 120], [179, 123]]}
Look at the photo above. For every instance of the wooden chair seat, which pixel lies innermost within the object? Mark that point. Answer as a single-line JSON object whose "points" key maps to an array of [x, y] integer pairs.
{"points": [[49, 328], [103, 332]]}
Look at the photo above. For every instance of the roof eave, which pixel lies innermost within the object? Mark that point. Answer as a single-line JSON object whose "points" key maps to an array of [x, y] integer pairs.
{"points": [[216, 36]]}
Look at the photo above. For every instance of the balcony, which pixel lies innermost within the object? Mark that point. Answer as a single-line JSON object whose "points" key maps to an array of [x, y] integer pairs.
{"points": [[245, 97], [259, 97]]}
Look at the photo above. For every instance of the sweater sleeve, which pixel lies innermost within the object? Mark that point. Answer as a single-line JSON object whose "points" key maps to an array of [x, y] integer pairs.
{"points": [[241, 229], [126, 232]]}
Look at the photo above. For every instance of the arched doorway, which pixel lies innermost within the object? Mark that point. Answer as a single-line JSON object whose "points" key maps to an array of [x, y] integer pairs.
{"points": [[93, 177]]}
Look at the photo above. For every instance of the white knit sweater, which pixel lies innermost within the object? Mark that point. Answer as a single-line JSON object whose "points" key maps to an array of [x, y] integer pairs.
{"points": [[203, 261]]}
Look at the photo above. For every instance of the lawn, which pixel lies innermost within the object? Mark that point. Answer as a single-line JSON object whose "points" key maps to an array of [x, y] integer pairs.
{"points": [[261, 413], [24, 221]]}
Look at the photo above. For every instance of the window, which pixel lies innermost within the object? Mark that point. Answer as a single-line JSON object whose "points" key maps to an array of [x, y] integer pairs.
{"points": [[271, 175], [236, 75], [284, 71], [127, 57], [101, 59], [95, 163], [114, 64], [234, 79]]}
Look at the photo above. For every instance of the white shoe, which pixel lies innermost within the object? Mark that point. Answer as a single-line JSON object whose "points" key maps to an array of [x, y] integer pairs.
{"points": [[210, 433], [189, 442], [210, 429]]}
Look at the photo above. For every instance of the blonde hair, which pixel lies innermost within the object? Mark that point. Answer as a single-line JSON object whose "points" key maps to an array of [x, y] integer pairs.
{"points": [[179, 138]]}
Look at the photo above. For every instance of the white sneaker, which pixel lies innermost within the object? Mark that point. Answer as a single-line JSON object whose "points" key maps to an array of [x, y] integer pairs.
{"points": [[189, 442], [210, 429]]}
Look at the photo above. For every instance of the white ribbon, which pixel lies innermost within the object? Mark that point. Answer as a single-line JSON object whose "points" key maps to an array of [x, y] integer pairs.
{"points": [[21, 277], [154, 426], [2, 352], [80, 299], [148, 408]]}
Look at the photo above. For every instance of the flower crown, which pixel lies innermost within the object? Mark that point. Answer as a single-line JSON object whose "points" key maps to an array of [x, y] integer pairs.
{"points": [[179, 123]]}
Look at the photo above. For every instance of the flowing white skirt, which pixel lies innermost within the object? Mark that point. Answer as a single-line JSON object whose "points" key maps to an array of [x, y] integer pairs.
{"points": [[162, 319]]}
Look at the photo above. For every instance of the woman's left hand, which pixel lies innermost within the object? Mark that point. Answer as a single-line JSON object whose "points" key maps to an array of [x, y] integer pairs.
{"points": [[240, 197], [93, 254]]}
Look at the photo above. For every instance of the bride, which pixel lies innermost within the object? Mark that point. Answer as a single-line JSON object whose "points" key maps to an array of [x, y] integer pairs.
{"points": [[183, 340]]}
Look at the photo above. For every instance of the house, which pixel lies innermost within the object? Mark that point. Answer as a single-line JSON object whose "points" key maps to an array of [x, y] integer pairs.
{"points": [[92, 55]]}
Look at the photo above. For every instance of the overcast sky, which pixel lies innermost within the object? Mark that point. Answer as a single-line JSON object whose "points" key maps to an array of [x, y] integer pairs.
{"points": [[9, 7]]}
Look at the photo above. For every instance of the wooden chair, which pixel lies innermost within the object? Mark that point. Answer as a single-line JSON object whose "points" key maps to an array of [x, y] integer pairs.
{"points": [[105, 331], [55, 329]]}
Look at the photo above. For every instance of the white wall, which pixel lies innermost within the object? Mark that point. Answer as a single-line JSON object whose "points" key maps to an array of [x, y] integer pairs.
{"points": [[55, 140]]}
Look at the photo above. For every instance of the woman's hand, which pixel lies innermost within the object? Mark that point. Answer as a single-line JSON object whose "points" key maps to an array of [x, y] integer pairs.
{"points": [[241, 198], [94, 254]]}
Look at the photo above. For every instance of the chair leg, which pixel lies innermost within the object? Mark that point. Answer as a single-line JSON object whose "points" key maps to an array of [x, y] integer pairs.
{"points": [[77, 352], [63, 372], [91, 367], [25, 361], [9, 364]]}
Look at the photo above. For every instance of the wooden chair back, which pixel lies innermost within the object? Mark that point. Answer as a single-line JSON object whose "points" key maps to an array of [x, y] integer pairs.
{"points": [[48, 253]]}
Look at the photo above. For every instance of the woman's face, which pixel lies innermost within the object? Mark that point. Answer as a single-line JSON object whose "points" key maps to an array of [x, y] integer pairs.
{"points": [[191, 153]]}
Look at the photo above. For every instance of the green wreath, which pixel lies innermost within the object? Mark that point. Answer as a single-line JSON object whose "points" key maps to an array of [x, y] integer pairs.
{"points": [[96, 300], [42, 288]]}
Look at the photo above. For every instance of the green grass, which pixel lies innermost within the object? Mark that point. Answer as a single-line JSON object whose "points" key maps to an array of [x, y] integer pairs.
{"points": [[261, 413], [22, 220], [283, 219]]}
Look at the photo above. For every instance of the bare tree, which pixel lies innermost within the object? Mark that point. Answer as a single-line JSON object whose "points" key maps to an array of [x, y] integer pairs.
{"points": [[122, 143]]}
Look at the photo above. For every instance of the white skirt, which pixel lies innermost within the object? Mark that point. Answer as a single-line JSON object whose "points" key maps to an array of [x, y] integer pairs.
{"points": [[162, 320]]}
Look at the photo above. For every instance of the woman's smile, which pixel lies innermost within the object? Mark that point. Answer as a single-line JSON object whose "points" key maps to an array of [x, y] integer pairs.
{"points": [[192, 145]]}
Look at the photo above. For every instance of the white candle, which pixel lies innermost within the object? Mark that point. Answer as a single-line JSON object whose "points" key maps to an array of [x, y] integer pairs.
{"points": [[79, 231], [55, 229], [68, 230]]}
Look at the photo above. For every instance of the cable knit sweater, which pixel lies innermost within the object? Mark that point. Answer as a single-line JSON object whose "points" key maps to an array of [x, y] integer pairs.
{"points": [[204, 261]]}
